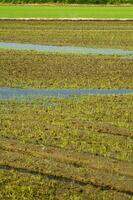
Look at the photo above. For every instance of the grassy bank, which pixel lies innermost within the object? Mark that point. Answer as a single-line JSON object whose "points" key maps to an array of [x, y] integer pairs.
{"points": [[24, 11], [86, 34], [39, 70], [77, 147]]}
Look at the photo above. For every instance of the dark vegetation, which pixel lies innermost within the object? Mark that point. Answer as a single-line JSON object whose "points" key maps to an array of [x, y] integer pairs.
{"points": [[70, 1]]}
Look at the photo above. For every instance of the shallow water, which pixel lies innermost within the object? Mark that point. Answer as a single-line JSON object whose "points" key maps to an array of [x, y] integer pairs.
{"points": [[66, 49], [9, 93]]}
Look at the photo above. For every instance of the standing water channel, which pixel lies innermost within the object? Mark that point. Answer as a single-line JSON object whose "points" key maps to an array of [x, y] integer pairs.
{"points": [[66, 49], [10, 93]]}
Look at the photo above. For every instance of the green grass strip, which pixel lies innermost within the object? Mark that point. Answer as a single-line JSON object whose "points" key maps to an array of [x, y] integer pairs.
{"points": [[25, 11]]}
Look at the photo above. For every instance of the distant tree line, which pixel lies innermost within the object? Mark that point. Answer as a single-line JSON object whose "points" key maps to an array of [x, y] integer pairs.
{"points": [[70, 1]]}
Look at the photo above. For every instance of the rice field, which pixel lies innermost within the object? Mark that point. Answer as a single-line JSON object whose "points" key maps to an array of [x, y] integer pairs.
{"points": [[63, 71], [78, 147], [104, 34]]}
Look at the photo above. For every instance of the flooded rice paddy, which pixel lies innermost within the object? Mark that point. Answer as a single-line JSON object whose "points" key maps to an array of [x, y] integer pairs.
{"points": [[77, 145], [9, 93], [66, 49]]}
